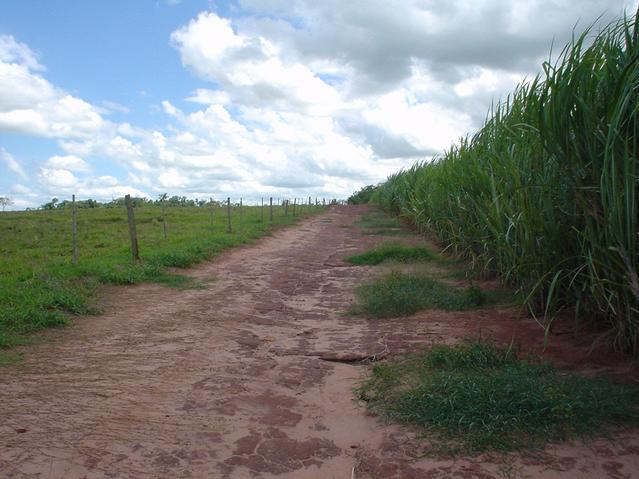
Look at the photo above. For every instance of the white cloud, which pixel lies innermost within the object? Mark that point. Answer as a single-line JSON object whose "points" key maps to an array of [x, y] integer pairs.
{"points": [[23, 121], [21, 203], [62, 183], [21, 88], [57, 179], [107, 180], [68, 162], [205, 41], [251, 68], [209, 97], [172, 179], [21, 190], [293, 124], [12, 164], [112, 106], [29, 104], [106, 193], [12, 51]]}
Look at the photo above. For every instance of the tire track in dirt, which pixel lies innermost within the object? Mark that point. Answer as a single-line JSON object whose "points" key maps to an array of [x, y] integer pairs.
{"points": [[240, 379]]}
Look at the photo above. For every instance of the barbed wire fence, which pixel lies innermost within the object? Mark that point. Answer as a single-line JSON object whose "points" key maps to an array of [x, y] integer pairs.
{"points": [[232, 213]]}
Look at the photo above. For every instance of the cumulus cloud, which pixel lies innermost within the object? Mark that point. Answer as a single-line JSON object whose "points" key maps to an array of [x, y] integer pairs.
{"points": [[381, 40], [57, 178], [68, 162], [301, 105], [62, 183], [205, 96], [250, 67], [15, 52], [31, 105]]}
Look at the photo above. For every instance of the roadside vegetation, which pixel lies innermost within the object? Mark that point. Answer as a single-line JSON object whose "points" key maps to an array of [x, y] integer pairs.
{"points": [[401, 294], [412, 278], [392, 252], [362, 196], [380, 223], [545, 194], [40, 287], [478, 397]]}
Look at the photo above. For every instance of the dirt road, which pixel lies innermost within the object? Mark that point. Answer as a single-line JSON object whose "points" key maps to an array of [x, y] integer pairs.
{"points": [[250, 376]]}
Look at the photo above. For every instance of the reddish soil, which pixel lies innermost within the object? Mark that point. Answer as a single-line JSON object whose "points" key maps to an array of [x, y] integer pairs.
{"points": [[252, 376]]}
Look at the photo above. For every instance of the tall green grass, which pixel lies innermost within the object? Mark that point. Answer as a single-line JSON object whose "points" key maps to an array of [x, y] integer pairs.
{"points": [[545, 194]]}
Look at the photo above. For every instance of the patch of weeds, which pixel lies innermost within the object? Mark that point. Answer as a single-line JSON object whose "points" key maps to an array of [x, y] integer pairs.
{"points": [[377, 220], [18, 320], [458, 271], [178, 281], [69, 295], [392, 252], [9, 357], [398, 294], [451, 271], [477, 397], [42, 301], [502, 298], [387, 232]]}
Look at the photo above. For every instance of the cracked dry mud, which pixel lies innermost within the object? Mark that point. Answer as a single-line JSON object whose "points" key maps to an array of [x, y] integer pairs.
{"points": [[251, 376]]}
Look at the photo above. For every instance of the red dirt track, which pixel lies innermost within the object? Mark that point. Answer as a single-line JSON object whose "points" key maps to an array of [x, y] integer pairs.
{"points": [[252, 376]]}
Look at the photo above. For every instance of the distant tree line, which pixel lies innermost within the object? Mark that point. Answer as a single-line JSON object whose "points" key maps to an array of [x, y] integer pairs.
{"points": [[163, 199]]}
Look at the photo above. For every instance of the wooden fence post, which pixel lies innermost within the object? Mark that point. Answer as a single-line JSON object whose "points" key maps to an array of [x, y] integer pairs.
{"points": [[163, 219], [74, 230], [212, 214], [270, 215], [294, 205], [241, 214], [228, 211], [135, 252], [286, 208], [262, 211]]}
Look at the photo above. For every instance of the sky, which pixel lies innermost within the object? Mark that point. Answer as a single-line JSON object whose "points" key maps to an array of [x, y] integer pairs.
{"points": [[251, 98]]}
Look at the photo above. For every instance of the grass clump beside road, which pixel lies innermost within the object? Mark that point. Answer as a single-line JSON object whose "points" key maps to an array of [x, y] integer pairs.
{"points": [[392, 252], [477, 397], [399, 294], [378, 219], [381, 223], [40, 287]]}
